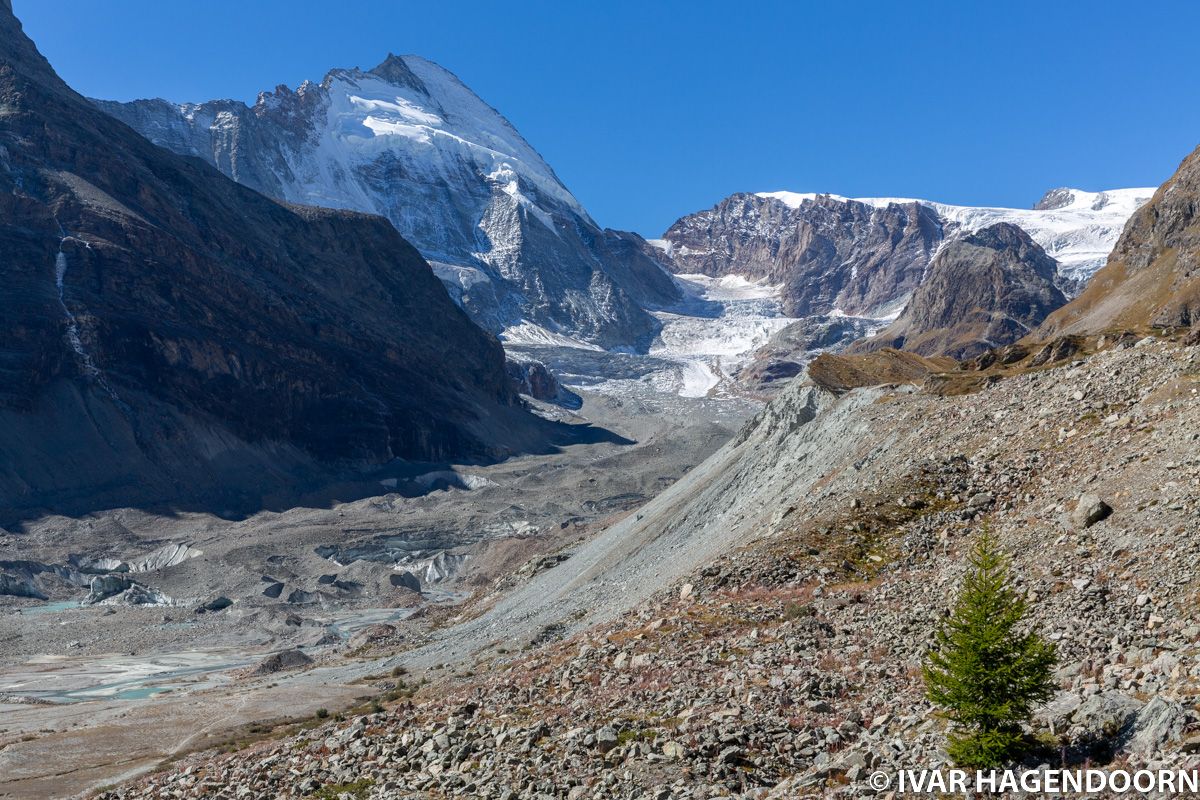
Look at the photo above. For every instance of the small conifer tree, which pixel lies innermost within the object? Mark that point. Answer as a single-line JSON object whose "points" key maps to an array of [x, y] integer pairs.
{"points": [[986, 671]]}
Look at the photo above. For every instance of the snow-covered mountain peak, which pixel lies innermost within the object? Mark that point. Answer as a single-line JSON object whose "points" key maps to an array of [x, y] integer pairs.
{"points": [[409, 141], [405, 103]]}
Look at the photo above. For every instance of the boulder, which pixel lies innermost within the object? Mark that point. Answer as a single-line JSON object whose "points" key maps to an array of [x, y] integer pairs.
{"points": [[216, 604], [1159, 722], [1089, 510], [285, 660], [606, 739], [1109, 715]]}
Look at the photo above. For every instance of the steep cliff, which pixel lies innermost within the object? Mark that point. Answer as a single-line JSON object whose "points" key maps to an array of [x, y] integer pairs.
{"points": [[1152, 278], [829, 254]]}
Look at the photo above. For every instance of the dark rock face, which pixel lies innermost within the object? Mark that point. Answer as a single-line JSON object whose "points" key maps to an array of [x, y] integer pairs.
{"points": [[167, 334], [986, 290], [533, 378], [828, 253], [410, 142], [1152, 278]]}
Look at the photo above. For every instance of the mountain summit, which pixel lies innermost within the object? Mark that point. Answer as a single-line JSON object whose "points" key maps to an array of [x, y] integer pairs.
{"points": [[167, 335], [409, 141], [985, 290]]}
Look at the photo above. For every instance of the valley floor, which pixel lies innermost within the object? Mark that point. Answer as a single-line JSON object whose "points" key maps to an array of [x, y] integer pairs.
{"points": [[90, 695]]}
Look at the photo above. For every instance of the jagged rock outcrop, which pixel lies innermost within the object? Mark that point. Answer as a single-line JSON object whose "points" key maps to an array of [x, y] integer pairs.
{"points": [[169, 335], [407, 140], [1152, 278], [829, 254], [987, 290], [533, 378]]}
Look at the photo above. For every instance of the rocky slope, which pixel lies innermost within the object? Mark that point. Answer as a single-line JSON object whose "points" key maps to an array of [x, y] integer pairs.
{"points": [[757, 630], [864, 256], [1152, 278], [980, 292], [167, 334], [407, 140]]}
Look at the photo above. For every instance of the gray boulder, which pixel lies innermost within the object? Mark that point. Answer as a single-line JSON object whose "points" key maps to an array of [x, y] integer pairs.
{"points": [[1109, 715], [1089, 510], [216, 604], [1160, 722]]}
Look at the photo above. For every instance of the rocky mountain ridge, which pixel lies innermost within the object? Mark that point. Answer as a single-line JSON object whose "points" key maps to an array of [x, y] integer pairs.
{"points": [[408, 141], [828, 255], [864, 256], [171, 336], [983, 291]]}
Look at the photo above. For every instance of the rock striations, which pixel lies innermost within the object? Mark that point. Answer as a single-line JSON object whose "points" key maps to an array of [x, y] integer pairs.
{"points": [[864, 257], [167, 334], [408, 141]]}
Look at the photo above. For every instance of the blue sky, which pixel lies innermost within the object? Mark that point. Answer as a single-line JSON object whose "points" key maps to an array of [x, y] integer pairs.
{"points": [[649, 111]]}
